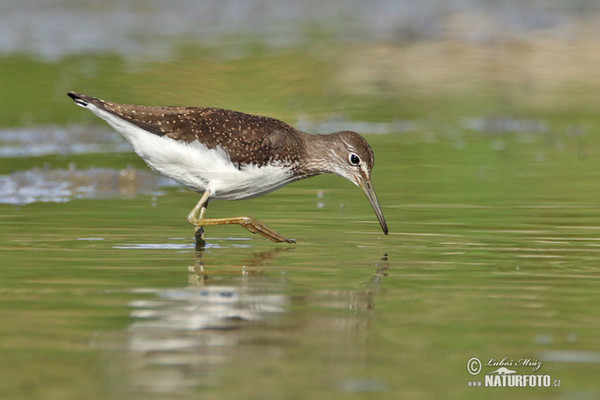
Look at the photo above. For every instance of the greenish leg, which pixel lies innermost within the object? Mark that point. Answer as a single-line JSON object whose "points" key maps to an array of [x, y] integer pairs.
{"points": [[196, 218], [196, 215]]}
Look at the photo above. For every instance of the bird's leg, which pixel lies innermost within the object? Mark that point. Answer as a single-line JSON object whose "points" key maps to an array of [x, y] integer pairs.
{"points": [[250, 223], [197, 214], [196, 218]]}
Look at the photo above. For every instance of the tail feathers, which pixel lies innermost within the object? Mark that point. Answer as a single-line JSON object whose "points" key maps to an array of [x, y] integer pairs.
{"points": [[81, 99]]}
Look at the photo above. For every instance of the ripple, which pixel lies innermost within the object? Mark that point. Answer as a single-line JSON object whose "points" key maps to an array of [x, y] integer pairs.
{"points": [[156, 246], [62, 185], [182, 246], [180, 335], [52, 139]]}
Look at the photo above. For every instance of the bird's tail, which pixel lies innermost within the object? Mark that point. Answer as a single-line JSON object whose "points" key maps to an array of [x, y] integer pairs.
{"points": [[81, 99]]}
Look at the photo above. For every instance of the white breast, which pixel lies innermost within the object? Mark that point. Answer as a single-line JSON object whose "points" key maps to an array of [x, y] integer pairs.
{"points": [[196, 166]]}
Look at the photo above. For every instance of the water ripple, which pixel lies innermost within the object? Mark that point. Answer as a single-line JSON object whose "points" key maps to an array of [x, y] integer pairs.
{"points": [[50, 139], [61, 185]]}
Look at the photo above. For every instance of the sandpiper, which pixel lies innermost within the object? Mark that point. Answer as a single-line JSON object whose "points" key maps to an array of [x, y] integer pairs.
{"points": [[230, 155]]}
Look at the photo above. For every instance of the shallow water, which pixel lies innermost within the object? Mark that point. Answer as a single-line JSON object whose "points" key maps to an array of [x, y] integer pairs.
{"points": [[109, 297], [35, 141], [61, 185]]}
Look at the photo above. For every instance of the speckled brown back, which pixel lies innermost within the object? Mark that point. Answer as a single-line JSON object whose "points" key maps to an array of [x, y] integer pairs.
{"points": [[249, 139]]}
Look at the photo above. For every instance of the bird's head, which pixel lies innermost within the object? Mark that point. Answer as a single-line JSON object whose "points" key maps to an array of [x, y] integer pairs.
{"points": [[351, 157]]}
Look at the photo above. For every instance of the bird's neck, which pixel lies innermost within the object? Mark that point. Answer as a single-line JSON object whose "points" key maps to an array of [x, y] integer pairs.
{"points": [[319, 154]]}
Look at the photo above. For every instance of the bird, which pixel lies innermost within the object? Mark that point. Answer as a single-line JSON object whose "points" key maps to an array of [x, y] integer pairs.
{"points": [[231, 155]]}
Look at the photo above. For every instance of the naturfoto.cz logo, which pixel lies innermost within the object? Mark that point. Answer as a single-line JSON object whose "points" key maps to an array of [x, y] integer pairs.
{"points": [[504, 373]]}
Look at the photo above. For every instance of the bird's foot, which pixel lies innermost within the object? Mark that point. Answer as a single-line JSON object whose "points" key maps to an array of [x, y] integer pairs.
{"points": [[255, 226], [200, 239], [250, 223]]}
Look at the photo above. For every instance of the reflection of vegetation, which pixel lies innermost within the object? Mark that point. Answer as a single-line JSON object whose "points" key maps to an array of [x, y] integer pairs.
{"points": [[533, 77], [33, 90], [279, 83], [440, 79]]}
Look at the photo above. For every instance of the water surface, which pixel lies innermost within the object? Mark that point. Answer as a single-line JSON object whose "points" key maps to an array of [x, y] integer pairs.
{"points": [[114, 292]]}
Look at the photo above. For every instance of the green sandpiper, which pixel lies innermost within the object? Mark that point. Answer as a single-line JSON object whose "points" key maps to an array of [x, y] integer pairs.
{"points": [[231, 155]]}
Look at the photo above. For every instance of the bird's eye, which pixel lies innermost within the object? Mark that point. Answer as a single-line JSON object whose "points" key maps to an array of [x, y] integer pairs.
{"points": [[354, 159]]}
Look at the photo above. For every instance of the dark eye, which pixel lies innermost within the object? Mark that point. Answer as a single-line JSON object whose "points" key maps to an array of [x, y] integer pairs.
{"points": [[354, 159]]}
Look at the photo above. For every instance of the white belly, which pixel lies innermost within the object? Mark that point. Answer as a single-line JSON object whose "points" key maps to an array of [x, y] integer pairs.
{"points": [[196, 166]]}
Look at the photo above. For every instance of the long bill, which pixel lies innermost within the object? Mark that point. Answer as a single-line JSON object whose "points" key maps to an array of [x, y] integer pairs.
{"points": [[367, 187]]}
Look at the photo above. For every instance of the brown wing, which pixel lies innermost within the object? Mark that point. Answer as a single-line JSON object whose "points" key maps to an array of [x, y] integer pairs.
{"points": [[249, 139]]}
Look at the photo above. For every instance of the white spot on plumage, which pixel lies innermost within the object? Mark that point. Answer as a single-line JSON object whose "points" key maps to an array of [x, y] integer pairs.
{"points": [[196, 166]]}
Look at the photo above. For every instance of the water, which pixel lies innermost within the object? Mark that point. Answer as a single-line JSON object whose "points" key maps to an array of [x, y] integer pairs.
{"points": [[108, 297], [486, 170]]}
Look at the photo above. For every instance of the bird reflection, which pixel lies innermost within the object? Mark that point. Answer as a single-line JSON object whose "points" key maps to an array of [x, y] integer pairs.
{"points": [[181, 337], [360, 301], [200, 274]]}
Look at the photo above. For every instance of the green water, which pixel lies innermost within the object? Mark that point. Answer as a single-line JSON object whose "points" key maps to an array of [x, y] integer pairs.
{"points": [[493, 252]]}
